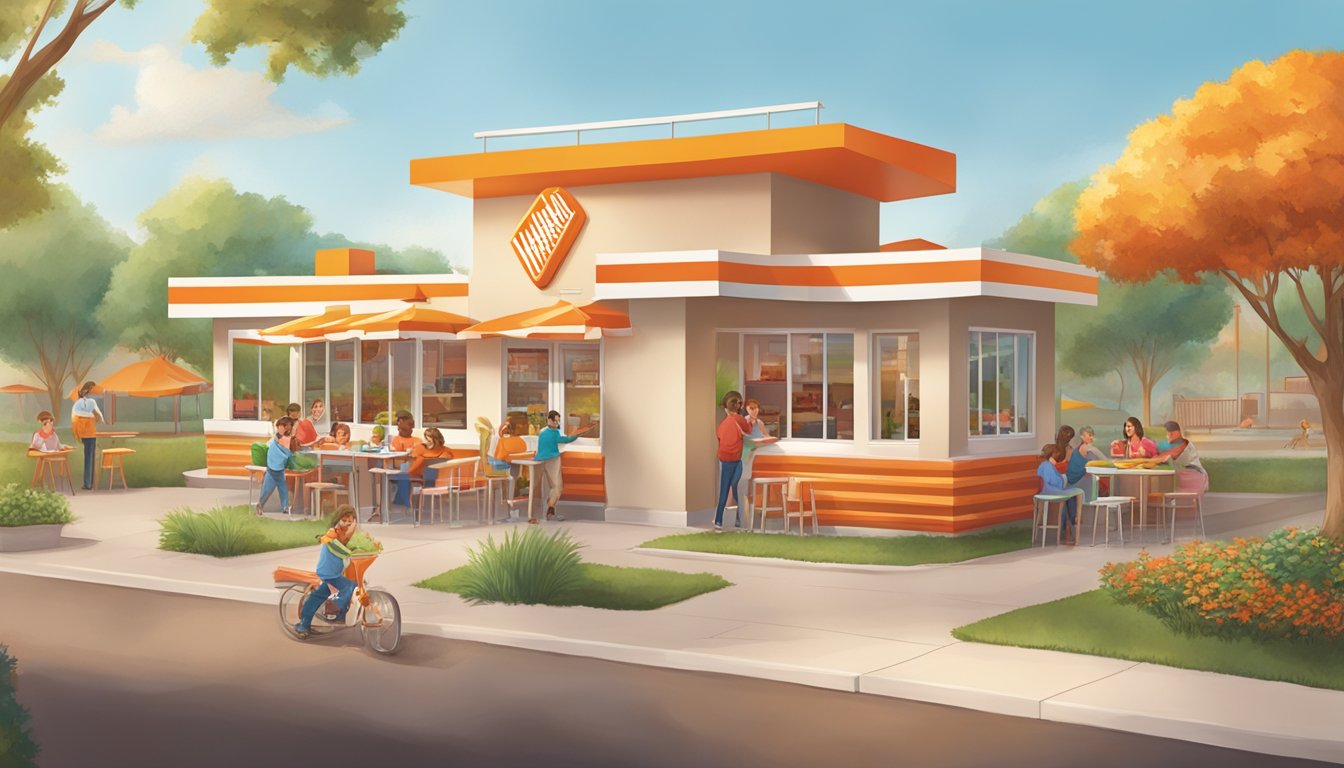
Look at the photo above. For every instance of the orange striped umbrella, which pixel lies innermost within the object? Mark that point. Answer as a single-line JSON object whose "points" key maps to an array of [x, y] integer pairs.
{"points": [[562, 321]]}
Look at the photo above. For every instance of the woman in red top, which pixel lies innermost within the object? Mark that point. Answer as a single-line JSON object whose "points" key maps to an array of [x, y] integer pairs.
{"points": [[730, 433]]}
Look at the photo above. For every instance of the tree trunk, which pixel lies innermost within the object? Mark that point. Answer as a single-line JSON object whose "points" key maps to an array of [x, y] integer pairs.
{"points": [[1330, 394], [1120, 401]]}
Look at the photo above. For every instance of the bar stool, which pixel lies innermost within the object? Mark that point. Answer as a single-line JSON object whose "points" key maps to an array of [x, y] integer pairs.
{"points": [[502, 482], [795, 495], [1111, 504], [385, 496], [315, 492], [1183, 500], [255, 472], [112, 462], [760, 499], [1040, 515], [436, 495]]}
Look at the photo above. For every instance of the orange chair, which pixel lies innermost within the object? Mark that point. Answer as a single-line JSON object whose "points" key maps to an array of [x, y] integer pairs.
{"points": [[112, 464]]}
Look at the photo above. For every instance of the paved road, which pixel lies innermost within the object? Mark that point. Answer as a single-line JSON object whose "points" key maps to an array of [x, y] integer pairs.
{"points": [[121, 677]]}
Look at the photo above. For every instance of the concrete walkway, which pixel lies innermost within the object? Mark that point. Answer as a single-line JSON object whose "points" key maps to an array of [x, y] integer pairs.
{"points": [[873, 630]]}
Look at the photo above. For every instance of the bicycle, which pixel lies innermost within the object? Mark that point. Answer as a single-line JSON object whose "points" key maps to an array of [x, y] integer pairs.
{"points": [[376, 612]]}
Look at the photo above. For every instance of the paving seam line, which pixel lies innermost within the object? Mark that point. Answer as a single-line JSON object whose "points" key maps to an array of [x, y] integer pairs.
{"points": [[777, 562]]}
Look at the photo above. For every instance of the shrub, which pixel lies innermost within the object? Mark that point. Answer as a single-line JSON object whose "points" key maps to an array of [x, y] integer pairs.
{"points": [[17, 748], [222, 532], [528, 567], [1287, 585], [32, 506]]}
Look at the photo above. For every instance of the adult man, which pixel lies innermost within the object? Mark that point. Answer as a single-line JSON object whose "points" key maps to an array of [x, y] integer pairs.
{"points": [[306, 429], [548, 452]]}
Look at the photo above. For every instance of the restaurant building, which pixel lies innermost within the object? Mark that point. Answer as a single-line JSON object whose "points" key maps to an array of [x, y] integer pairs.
{"points": [[628, 284]]}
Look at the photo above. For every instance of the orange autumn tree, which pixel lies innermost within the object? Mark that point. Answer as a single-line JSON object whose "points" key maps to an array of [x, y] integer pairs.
{"points": [[1244, 180]]}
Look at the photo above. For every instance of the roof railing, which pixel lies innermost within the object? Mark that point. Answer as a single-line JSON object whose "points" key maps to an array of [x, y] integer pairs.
{"points": [[671, 120]]}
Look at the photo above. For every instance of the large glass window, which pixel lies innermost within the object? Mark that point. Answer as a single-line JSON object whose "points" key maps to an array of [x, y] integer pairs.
{"points": [[765, 362], [1000, 368], [315, 375], [373, 382], [582, 388], [803, 381], [246, 375], [527, 386], [274, 380], [443, 398], [342, 382], [896, 413], [403, 376]]}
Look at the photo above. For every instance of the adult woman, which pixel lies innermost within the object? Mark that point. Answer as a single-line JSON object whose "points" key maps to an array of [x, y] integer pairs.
{"points": [[1053, 482], [729, 434], [83, 424], [1134, 445]]}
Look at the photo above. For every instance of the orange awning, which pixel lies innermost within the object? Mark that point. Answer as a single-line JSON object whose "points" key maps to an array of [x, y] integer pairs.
{"points": [[562, 321], [292, 328], [415, 320], [156, 377], [21, 389]]}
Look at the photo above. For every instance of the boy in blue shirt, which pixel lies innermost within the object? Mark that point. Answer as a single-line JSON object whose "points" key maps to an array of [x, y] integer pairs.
{"points": [[331, 560], [277, 457], [548, 452]]}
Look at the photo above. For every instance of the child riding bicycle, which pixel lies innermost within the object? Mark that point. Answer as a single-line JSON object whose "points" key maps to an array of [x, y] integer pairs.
{"points": [[331, 562]]}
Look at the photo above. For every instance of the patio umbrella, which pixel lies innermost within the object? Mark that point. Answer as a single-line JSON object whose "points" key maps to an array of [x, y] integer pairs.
{"points": [[1069, 404], [21, 390], [156, 377], [293, 331], [413, 321], [561, 321]]}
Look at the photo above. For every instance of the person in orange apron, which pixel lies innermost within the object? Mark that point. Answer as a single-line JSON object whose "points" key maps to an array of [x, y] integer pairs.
{"points": [[84, 418]]}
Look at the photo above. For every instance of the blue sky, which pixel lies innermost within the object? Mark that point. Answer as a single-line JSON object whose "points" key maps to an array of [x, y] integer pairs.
{"points": [[1028, 95]]}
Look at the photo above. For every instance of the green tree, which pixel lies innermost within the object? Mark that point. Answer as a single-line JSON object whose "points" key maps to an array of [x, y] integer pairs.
{"points": [[319, 37], [17, 748], [207, 228], [1147, 329], [49, 314]]}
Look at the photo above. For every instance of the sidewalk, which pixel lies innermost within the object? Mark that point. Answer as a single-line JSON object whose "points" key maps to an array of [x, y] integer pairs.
{"points": [[882, 631]]}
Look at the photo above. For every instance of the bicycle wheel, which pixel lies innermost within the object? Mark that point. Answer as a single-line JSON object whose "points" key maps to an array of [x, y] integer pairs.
{"points": [[384, 638], [291, 603]]}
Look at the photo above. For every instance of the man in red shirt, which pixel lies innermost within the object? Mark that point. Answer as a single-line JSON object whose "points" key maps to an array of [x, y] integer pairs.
{"points": [[730, 433]]}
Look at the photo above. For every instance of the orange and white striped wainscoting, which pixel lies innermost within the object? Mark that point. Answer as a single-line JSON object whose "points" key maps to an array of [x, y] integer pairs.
{"points": [[935, 496], [583, 473]]}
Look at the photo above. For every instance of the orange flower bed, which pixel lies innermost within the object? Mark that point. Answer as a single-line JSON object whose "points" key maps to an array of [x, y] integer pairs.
{"points": [[1287, 585]]}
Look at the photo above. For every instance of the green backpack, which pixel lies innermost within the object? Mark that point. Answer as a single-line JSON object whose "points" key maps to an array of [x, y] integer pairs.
{"points": [[259, 454]]}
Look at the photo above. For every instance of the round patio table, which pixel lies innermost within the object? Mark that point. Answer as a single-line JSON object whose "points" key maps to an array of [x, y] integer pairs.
{"points": [[1143, 475]]}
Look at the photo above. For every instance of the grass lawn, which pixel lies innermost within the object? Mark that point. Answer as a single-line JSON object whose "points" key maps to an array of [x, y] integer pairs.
{"points": [[157, 462], [614, 587], [236, 530], [1268, 475], [1094, 624], [853, 550]]}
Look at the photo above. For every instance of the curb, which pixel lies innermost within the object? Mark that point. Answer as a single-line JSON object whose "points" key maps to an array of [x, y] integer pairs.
{"points": [[782, 561]]}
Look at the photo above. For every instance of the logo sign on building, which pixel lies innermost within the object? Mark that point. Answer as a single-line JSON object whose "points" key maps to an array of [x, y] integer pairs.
{"points": [[546, 233]]}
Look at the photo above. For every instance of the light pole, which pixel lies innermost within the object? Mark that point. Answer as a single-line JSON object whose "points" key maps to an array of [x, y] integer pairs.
{"points": [[1236, 345], [1266, 414]]}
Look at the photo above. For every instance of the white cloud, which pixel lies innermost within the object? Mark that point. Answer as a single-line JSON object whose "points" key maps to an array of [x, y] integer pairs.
{"points": [[174, 100]]}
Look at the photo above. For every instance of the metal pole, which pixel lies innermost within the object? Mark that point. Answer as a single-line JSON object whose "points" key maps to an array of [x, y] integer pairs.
{"points": [[1236, 345], [1266, 414]]}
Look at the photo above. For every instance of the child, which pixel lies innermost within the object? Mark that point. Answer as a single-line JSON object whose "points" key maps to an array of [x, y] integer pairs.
{"points": [[1053, 482], [306, 429], [277, 456], [375, 438], [337, 440], [45, 439], [331, 560], [730, 433]]}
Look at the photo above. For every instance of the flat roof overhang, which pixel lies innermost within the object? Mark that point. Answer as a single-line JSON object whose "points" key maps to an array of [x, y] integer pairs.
{"points": [[838, 155]]}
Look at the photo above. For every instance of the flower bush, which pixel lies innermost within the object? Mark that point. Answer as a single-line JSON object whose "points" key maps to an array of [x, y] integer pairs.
{"points": [[32, 506], [1287, 585]]}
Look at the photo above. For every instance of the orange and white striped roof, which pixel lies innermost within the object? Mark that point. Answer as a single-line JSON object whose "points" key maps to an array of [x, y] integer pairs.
{"points": [[845, 277], [295, 296]]}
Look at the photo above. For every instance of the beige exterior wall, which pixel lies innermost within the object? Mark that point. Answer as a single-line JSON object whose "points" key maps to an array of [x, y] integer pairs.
{"points": [[811, 218]]}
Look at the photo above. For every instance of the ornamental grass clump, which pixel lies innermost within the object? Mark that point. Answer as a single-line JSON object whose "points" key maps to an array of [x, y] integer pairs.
{"points": [[221, 532], [1289, 584], [528, 567], [21, 506]]}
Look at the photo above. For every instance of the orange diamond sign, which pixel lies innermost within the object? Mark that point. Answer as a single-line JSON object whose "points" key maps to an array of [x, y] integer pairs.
{"points": [[546, 233]]}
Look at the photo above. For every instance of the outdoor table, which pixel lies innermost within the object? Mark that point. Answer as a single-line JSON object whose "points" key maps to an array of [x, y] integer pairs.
{"points": [[45, 465], [1142, 475], [354, 456], [114, 436], [529, 462]]}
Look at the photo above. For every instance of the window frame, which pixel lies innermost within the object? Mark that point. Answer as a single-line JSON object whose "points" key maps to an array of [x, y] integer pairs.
{"points": [[1030, 395], [555, 386], [788, 333], [875, 389]]}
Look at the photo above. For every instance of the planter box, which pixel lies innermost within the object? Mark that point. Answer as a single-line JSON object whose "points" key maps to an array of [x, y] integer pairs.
{"points": [[28, 537]]}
